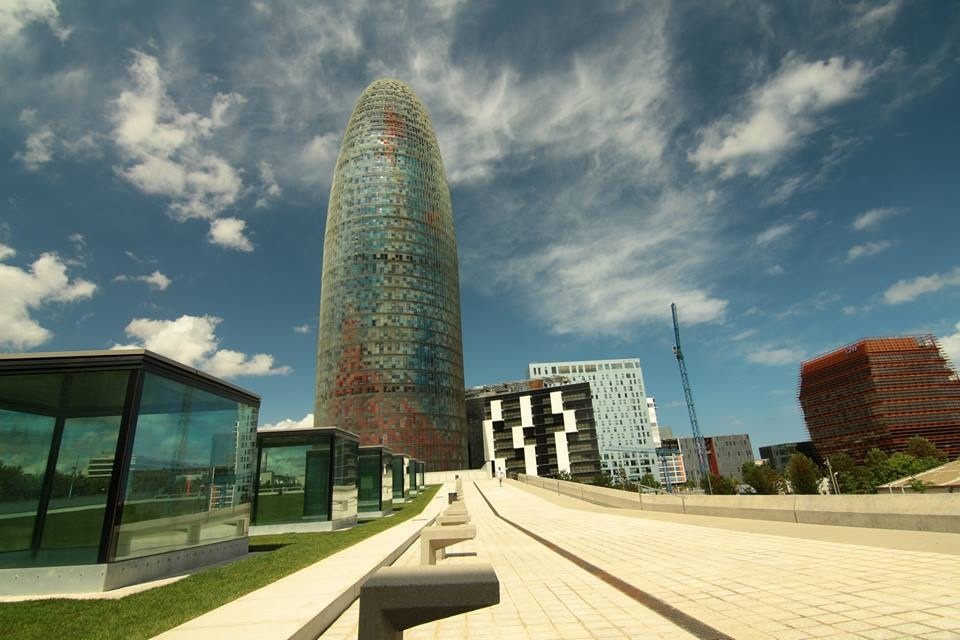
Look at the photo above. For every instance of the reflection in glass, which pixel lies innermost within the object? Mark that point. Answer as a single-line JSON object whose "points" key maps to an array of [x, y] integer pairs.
{"points": [[400, 491], [79, 494], [294, 483], [190, 470], [368, 494], [23, 460]]}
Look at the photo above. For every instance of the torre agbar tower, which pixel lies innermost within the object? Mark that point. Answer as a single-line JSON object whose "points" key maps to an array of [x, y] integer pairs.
{"points": [[390, 356]]}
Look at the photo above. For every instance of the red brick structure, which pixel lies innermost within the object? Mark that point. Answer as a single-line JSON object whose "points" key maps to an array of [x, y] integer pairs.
{"points": [[880, 392]]}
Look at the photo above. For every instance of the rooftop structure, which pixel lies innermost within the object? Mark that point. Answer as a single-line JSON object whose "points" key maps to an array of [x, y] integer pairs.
{"points": [[880, 392], [390, 356], [119, 467]]}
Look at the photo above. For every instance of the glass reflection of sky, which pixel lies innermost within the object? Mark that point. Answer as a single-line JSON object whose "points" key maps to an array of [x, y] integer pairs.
{"points": [[26, 441]]}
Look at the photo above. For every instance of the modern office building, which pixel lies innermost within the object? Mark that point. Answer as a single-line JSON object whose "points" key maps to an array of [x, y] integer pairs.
{"points": [[306, 480], [778, 455], [390, 356], [528, 428], [725, 454], [624, 435], [880, 392], [119, 467]]}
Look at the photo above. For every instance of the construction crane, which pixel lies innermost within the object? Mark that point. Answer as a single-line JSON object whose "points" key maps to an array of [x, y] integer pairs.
{"points": [[699, 444]]}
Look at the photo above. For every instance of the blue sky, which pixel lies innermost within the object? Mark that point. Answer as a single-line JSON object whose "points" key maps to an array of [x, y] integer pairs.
{"points": [[786, 172]]}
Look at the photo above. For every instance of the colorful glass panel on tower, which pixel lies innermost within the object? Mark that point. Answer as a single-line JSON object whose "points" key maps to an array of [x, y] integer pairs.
{"points": [[390, 357]]}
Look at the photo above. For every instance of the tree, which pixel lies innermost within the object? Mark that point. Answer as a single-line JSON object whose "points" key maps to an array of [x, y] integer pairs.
{"points": [[851, 477], [623, 482], [803, 474], [602, 480], [647, 480], [920, 447], [722, 486], [763, 479]]}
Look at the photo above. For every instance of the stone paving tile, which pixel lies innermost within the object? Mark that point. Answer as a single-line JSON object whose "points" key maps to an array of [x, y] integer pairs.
{"points": [[748, 585]]}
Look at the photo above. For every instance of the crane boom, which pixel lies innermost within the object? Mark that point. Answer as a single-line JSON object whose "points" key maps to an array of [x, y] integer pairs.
{"points": [[694, 425]]}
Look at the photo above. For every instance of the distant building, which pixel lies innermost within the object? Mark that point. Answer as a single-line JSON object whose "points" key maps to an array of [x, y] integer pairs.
{"points": [[725, 454], [534, 430], [942, 479], [624, 435], [778, 455], [880, 392], [672, 471]]}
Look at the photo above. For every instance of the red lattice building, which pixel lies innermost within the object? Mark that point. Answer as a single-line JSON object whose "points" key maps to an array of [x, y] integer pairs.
{"points": [[880, 392]]}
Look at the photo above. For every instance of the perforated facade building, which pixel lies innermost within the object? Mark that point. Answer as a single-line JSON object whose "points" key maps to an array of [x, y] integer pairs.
{"points": [[880, 392], [390, 360]]}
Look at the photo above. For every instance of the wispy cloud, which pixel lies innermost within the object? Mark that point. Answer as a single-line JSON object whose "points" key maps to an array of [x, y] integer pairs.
{"points": [[908, 290], [15, 15], [868, 249], [743, 335], [778, 115], [781, 230], [873, 217], [303, 328], [155, 280], [192, 340], [776, 356], [950, 345]]}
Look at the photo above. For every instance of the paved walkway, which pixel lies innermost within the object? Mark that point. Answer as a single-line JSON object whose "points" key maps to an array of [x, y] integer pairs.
{"points": [[741, 583]]}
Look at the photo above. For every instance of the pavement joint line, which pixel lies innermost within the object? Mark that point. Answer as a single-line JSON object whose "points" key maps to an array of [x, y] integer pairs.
{"points": [[700, 629]]}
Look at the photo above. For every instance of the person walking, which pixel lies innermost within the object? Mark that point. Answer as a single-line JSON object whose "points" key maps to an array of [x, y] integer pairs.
{"points": [[500, 476]]}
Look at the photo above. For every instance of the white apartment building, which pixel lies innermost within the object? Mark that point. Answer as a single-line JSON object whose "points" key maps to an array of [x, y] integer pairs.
{"points": [[624, 435], [672, 472]]}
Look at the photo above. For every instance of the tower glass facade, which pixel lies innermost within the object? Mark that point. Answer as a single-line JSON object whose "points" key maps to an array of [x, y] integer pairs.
{"points": [[390, 355]]}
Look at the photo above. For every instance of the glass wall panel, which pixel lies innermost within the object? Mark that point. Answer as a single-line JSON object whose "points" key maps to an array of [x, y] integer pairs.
{"points": [[190, 473], [23, 460], [386, 481], [344, 503], [399, 480], [368, 495], [412, 477], [294, 483], [87, 407]]}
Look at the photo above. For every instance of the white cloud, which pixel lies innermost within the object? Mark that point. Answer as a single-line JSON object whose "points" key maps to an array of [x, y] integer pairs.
{"points": [[17, 14], [305, 422], [164, 148], [743, 335], [778, 116], [25, 291], [775, 356], [950, 345], [38, 149], [849, 310], [868, 249], [319, 155], [155, 280], [872, 217], [775, 270], [6, 252], [191, 340], [303, 328], [907, 290], [228, 232]]}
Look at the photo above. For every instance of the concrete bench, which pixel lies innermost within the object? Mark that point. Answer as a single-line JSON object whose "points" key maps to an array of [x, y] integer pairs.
{"points": [[456, 509], [448, 520], [434, 539], [397, 598]]}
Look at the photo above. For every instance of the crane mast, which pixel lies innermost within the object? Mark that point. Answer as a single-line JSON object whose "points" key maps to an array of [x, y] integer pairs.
{"points": [[694, 425]]}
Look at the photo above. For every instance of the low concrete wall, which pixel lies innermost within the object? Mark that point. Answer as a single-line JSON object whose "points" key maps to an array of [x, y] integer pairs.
{"points": [[439, 477], [912, 512]]}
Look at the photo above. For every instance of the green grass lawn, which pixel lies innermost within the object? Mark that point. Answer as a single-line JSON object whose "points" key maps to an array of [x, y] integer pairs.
{"points": [[145, 614]]}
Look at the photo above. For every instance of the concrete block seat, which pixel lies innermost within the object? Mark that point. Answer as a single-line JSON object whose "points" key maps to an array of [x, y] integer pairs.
{"points": [[456, 509], [434, 539], [449, 520], [397, 598]]}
